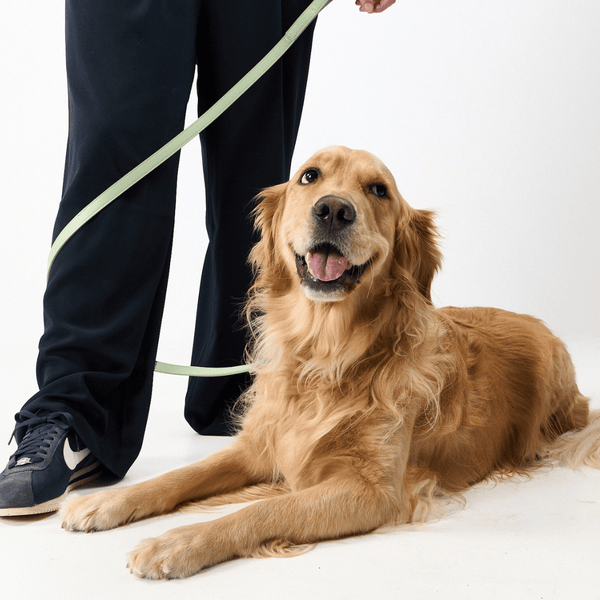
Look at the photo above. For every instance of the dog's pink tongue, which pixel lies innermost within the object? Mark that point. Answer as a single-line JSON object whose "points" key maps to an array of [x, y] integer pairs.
{"points": [[326, 266]]}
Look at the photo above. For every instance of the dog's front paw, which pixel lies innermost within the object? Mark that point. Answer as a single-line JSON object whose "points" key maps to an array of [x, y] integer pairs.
{"points": [[96, 512], [175, 554]]}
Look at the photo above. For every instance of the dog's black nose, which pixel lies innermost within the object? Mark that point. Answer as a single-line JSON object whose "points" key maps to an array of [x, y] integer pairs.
{"points": [[334, 213]]}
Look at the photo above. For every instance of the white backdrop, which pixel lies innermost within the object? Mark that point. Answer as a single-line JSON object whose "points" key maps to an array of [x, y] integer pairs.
{"points": [[486, 110]]}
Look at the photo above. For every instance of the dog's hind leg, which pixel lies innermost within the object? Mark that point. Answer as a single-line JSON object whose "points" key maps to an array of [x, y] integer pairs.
{"points": [[233, 467], [570, 407]]}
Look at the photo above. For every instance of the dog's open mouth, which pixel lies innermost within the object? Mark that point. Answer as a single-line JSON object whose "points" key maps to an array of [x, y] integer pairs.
{"points": [[325, 269]]}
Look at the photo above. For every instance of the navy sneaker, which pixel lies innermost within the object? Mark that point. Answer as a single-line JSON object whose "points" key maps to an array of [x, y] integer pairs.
{"points": [[50, 461]]}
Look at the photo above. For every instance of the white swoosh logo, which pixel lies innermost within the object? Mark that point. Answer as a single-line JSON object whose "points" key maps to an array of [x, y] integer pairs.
{"points": [[72, 458]]}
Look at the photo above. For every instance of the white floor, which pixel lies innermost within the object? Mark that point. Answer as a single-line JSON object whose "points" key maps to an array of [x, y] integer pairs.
{"points": [[531, 540]]}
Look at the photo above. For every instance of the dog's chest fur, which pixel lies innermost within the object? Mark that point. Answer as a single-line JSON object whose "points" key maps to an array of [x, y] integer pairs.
{"points": [[314, 429]]}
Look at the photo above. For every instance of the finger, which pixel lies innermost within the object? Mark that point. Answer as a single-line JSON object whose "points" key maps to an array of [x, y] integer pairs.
{"points": [[366, 5], [383, 5]]}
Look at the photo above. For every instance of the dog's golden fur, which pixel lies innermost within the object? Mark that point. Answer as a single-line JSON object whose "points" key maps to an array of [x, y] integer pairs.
{"points": [[367, 402]]}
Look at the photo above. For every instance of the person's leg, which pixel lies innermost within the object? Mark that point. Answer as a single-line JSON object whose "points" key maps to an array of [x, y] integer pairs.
{"points": [[247, 149], [130, 69]]}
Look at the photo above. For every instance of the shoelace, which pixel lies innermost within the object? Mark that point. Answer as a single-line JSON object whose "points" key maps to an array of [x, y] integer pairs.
{"points": [[41, 430]]}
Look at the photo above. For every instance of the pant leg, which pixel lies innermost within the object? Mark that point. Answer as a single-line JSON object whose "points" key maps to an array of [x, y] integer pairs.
{"points": [[247, 149], [130, 66]]}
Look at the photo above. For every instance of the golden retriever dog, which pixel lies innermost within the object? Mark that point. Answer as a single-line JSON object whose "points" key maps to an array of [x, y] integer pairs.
{"points": [[367, 404]]}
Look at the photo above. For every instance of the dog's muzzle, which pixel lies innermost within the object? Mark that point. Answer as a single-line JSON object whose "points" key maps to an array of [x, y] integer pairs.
{"points": [[325, 268]]}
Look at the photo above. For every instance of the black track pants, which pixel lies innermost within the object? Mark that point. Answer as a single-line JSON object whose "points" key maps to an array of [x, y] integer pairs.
{"points": [[130, 66]]}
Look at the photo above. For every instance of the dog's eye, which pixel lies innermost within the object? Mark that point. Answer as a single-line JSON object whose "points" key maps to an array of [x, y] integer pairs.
{"points": [[379, 190], [309, 176]]}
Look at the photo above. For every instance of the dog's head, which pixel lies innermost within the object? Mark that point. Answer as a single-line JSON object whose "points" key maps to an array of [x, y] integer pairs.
{"points": [[340, 225]]}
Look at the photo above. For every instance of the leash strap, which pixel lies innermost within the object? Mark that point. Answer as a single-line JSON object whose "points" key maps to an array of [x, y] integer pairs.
{"points": [[170, 148], [170, 369]]}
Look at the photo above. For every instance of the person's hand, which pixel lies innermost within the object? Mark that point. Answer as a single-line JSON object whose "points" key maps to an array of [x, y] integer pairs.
{"points": [[374, 6]]}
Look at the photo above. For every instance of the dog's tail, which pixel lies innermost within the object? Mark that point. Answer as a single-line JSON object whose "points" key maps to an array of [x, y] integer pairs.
{"points": [[578, 448]]}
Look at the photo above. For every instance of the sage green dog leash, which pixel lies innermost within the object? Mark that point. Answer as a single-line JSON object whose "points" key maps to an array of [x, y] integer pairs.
{"points": [[170, 148]]}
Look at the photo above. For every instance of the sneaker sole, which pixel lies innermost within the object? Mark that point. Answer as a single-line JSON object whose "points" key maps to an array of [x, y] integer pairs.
{"points": [[79, 479]]}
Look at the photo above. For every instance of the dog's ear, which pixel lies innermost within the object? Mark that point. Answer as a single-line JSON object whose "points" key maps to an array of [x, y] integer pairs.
{"points": [[416, 251], [266, 215]]}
